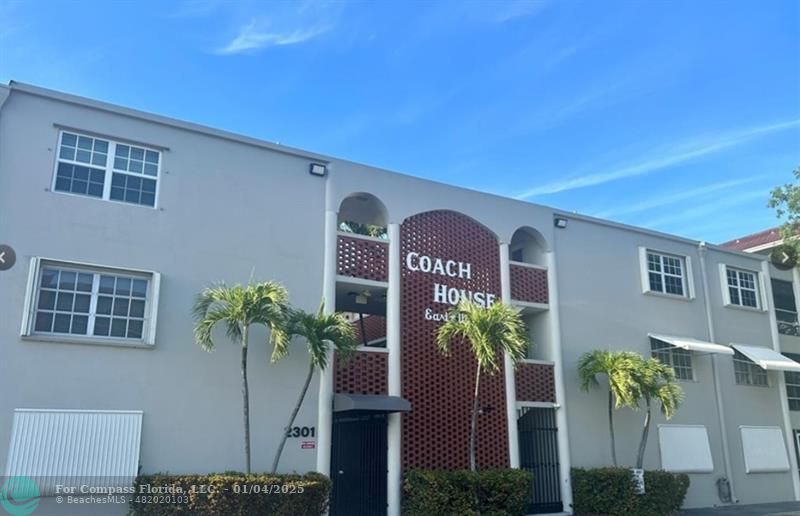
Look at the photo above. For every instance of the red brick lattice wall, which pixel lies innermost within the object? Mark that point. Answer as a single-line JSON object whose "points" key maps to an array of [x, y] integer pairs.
{"points": [[374, 328], [436, 431], [535, 382], [366, 372], [529, 284], [362, 258]]}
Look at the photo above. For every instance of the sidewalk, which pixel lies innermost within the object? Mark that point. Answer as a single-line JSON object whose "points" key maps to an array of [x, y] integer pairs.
{"points": [[766, 509]]}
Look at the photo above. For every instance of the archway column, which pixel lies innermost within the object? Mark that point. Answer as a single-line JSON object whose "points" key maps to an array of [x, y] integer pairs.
{"points": [[394, 459], [508, 366], [325, 401]]}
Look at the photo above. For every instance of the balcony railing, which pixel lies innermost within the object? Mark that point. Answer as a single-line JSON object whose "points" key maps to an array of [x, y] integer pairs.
{"points": [[362, 257], [365, 372], [529, 283], [535, 381], [787, 322]]}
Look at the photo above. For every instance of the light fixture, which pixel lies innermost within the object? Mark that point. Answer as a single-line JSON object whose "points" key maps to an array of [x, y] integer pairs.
{"points": [[560, 222], [318, 169], [361, 298]]}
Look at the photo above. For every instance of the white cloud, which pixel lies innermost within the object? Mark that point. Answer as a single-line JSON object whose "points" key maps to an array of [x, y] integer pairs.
{"points": [[666, 200], [519, 8], [256, 35], [674, 155], [709, 209]]}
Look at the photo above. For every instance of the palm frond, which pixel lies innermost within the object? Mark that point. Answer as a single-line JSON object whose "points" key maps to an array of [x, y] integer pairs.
{"points": [[238, 307], [490, 332], [322, 332]]}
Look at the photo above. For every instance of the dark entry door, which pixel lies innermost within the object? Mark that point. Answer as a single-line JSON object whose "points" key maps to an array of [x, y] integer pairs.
{"points": [[538, 453], [358, 466]]}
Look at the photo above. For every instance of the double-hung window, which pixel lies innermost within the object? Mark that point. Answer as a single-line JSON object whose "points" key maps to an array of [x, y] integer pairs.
{"points": [[793, 384], [742, 287], [679, 359], [106, 169], [664, 273], [748, 372], [785, 307], [90, 303]]}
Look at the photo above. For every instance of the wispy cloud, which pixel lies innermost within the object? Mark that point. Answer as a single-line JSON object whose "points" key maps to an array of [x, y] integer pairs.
{"points": [[257, 35], [697, 213], [666, 200], [518, 9], [673, 155]]}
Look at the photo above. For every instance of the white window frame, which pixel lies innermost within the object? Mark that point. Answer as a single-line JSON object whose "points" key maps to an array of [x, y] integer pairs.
{"points": [[753, 369], [762, 304], [659, 348], [688, 274], [109, 169], [32, 295]]}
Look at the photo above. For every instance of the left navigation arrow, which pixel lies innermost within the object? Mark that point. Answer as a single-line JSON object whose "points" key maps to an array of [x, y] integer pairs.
{"points": [[7, 257]]}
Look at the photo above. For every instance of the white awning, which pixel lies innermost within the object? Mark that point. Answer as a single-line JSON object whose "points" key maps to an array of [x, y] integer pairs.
{"points": [[692, 344], [767, 358]]}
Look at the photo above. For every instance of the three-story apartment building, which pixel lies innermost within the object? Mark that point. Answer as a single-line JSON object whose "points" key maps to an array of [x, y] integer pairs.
{"points": [[119, 217]]}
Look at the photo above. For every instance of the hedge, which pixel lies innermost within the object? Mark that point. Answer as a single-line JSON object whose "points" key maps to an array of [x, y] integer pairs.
{"points": [[610, 491], [230, 494], [500, 492]]}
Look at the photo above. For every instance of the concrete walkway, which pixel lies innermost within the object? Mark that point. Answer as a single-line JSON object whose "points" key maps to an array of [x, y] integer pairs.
{"points": [[766, 509]]}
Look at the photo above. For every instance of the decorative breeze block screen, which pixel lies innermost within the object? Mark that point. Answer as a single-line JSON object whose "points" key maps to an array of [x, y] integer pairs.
{"points": [[362, 258], [529, 284], [365, 372], [535, 382], [436, 431]]}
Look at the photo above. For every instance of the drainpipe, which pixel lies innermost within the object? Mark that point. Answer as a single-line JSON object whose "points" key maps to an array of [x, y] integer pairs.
{"points": [[393, 433], [726, 456], [325, 401], [558, 371], [508, 367], [784, 398]]}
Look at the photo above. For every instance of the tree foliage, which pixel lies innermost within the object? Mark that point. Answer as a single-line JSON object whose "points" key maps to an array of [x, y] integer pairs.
{"points": [[785, 200], [490, 332], [237, 308], [322, 332], [632, 380]]}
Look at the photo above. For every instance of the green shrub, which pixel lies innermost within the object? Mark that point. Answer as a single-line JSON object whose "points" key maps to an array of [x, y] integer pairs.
{"points": [[500, 492], [231, 494], [610, 491]]}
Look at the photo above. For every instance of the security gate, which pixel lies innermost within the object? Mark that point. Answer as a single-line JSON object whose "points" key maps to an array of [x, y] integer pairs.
{"points": [[358, 465], [538, 452]]}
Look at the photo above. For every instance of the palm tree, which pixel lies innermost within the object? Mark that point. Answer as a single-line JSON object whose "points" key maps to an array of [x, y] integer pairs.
{"points": [[656, 381], [490, 332], [239, 307], [619, 367], [321, 332]]}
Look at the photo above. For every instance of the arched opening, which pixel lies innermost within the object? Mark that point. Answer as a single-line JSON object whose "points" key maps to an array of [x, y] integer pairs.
{"points": [[528, 246], [363, 214]]}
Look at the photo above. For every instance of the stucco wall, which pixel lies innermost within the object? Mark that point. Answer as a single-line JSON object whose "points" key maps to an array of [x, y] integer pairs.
{"points": [[222, 216], [603, 307]]}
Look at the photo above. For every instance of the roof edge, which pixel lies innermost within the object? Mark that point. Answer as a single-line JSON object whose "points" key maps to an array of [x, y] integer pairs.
{"points": [[162, 120], [656, 234]]}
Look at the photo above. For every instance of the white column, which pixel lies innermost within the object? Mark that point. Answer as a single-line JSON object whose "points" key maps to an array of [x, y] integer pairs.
{"points": [[325, 402], [393, 459], [508, 369], [776, 345], [558, 357]]}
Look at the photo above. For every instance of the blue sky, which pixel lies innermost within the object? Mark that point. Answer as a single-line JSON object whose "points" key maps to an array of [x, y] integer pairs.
{"points": [[677, 116]]}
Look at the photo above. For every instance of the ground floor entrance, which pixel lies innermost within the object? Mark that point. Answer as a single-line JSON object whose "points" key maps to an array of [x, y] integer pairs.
{"points": [[358, 465], [538, 451]]}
